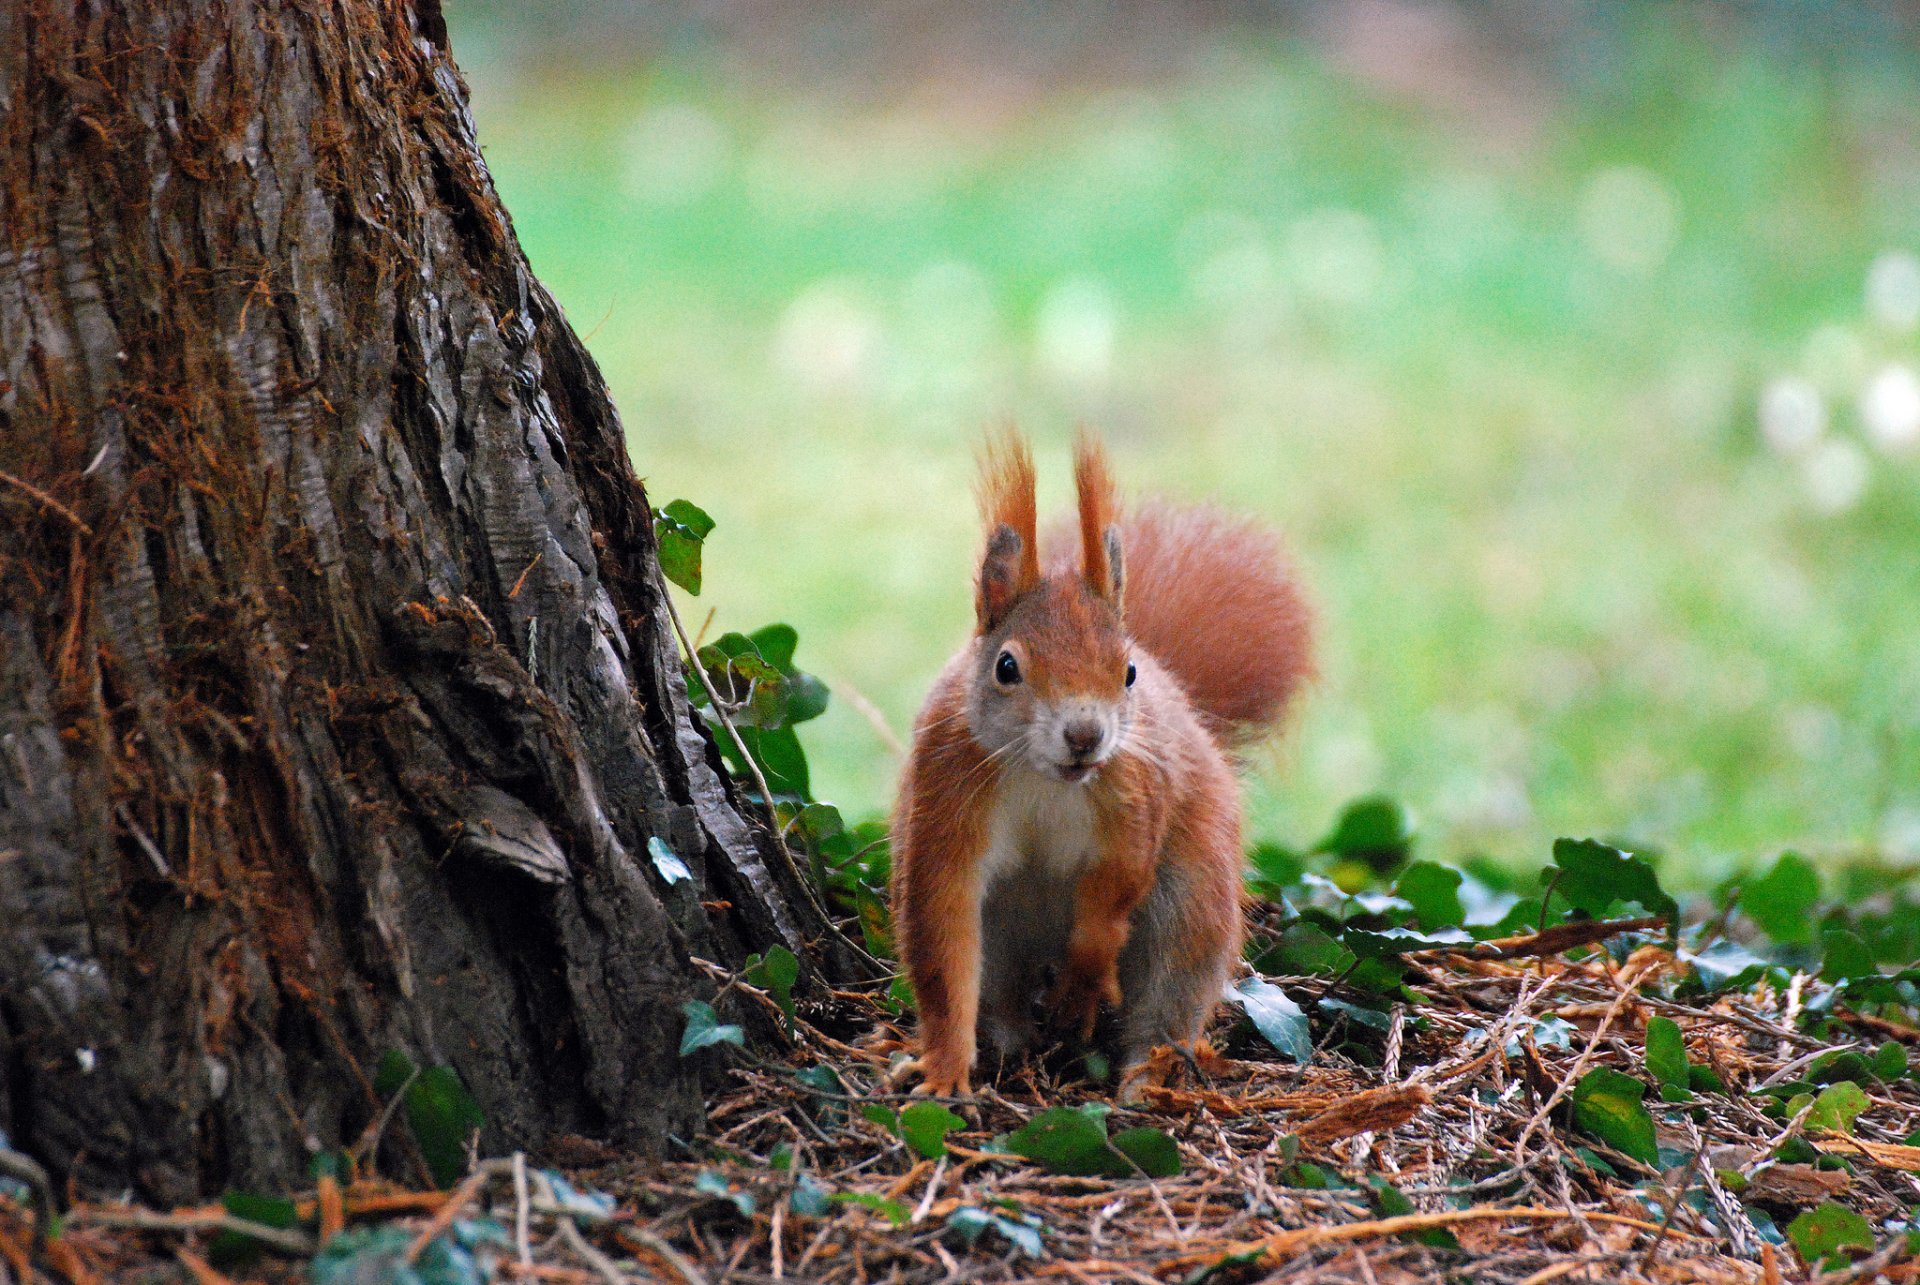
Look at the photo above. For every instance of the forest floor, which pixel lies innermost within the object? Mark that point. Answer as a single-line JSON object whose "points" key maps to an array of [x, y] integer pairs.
{"points": [[1495, 1133]]}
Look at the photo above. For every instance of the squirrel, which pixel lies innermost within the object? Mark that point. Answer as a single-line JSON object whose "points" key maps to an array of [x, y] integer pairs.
{"points": [[1068, 824]]}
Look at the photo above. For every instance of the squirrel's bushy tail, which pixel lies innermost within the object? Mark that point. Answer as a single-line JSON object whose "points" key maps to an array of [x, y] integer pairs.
{"points": [[1213, 598]]}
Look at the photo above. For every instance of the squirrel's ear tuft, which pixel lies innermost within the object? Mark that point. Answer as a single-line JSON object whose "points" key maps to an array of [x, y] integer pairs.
{"points": [[1099, 537], [1011, 566]]}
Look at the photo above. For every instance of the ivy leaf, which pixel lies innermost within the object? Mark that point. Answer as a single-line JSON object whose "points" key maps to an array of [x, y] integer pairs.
{"points": [[667, 862], [705, 1029], [1594, 875], [1606, 1105], [1837, 1107], [1824, 1232], [1781, 901], [1890, 1061], [1274, 869], [236, 1248], [775, 974], [924, 1126], [1307, 950], [1725, 965], [809, 1198], [1843, 956], [1375, 829], [710, 1182], [1390, 1202], [968, 1223], [1666, 1052], [1157, 1154], [682, 528], [1073, 1141], [1275, 1015], [1434, 893], [891, 1210], [444, 1117]]}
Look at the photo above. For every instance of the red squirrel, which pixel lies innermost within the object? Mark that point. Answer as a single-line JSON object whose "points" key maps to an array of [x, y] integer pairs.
{"points": [[1068, 826]]}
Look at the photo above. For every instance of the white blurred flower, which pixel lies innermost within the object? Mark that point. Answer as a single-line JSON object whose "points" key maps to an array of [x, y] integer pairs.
{"points": [[675, 153], [1890, 408], [1075, 332], [1793, 415], [1336, 255], [1893, 290], [1630, 218], [827, 338], [1836, 475]]}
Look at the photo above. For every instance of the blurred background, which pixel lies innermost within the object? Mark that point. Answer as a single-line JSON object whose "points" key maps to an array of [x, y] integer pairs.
{"points": [[1574, 346]]}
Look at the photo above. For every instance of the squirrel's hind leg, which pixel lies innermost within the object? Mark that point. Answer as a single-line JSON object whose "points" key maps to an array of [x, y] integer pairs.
{"points": [[1177, 960]]}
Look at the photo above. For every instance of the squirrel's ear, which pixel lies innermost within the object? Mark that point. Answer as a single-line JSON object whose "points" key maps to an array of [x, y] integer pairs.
{"points": [[1012, 563], [1004, 576]]}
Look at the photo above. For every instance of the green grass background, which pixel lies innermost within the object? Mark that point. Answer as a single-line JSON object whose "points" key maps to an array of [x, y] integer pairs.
{"points": [[1492, 361]]}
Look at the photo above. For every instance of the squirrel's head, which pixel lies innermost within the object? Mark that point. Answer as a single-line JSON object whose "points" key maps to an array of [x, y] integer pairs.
{"points": [[1054, 667]]}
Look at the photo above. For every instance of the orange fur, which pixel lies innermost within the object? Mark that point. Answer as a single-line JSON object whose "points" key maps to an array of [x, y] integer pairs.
{"points": [[1093, 485], [1220, 634], [1214, 599]]}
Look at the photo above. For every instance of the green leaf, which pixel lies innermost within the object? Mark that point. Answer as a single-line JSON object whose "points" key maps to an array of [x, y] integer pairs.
{"points": [[1390, 1202], [1666, 1052], [1607, 1106], [710, 1182], [775, 974], [1837, 1107], [886, 1117], [1782, 900], [1275, 1015], [1307, 950], [704, 1029], [1890, 1061], [681, 528], [667, 862], [1157, 1154], [1434, 893], [444, 1117], [1274, 869], [395, 1069], [1844, 956], [1824, 1232], [924, 1126], [375, 1252], [1073, 1141], [1594, 875], [1725, 965], [809, 1198], [1376, 830], [892, 1210], [968, 1223], [234, 1248]]}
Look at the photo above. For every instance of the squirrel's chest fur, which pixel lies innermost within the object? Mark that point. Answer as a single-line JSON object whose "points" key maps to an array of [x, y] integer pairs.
{"points": [[1038, 828]]}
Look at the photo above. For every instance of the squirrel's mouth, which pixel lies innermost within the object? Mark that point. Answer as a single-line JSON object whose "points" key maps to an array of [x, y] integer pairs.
{"points": [[1075, 771]]}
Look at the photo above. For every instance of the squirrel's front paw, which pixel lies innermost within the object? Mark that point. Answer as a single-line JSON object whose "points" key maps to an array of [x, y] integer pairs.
{"points": [[939, 1077], [1077, 997]]}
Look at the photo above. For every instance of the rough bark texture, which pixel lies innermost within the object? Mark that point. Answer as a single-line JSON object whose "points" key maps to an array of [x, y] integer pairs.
{"points": [[337, 704]]}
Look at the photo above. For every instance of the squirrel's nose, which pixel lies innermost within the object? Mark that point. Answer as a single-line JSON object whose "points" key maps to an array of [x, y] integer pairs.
{"points": [[1082, 737]]}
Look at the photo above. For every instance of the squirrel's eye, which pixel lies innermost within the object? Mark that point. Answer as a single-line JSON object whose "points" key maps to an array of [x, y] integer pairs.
{"points": [[1006, 670], [1131, 673]]}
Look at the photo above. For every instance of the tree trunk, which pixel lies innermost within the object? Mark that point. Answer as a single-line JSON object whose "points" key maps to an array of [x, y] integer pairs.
{"points": [[338, 705]]}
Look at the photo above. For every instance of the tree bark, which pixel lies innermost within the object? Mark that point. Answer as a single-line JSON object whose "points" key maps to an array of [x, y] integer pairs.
{"points": [[337, 700]]}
